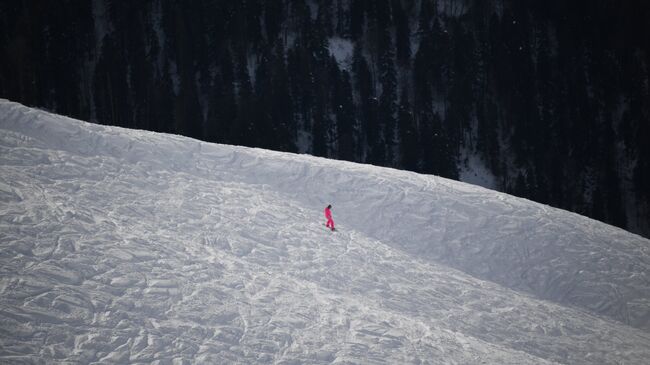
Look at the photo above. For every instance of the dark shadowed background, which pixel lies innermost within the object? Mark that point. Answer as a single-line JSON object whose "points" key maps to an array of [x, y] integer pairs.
{"points": [[542, 99]]}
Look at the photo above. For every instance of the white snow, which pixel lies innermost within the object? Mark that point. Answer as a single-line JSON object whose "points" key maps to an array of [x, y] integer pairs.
{"points": [[341, 49], [474, 171], [124, 246]]}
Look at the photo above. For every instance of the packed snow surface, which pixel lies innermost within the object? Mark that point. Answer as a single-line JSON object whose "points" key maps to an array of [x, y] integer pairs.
{"points": [[124, 246]]}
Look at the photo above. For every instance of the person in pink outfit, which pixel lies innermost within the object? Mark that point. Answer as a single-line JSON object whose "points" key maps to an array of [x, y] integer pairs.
{"points": [[328, 215]]}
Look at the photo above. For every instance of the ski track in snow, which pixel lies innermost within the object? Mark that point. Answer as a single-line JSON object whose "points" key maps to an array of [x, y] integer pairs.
{"points": [[123, 246]]}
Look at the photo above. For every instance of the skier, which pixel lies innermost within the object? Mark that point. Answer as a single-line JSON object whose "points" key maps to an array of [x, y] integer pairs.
{"points": [[328, 215]]}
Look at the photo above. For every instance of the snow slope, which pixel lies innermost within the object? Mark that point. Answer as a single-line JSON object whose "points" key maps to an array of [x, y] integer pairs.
{"points": [[124, 246]]}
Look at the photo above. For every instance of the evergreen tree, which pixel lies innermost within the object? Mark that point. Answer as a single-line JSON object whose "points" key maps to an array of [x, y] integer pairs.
{"points": [[110, 85], [273, 12], [460, 97], [67, 44], [402, 33], [261, 128], [357, 18], [282, 115], [342, 19], [325, 17], [409, 153], [384, 146], [348, 140], [241, 131], [367, 99], [222, 113]]}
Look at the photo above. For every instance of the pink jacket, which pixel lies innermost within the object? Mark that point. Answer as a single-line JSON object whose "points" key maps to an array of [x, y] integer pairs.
{"points": [[328, 213]]}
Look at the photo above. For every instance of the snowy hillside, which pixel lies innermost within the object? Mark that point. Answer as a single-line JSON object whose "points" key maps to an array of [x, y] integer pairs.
{"points": [[124, 246]]}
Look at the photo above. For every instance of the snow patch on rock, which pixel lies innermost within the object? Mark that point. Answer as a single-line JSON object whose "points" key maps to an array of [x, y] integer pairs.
{"points": [[342, 50]]}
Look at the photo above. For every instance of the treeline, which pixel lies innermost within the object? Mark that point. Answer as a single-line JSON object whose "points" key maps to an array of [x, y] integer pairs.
{"points": [[552, 96]]}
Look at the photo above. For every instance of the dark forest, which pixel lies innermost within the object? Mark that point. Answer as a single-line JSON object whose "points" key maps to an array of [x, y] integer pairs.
{"points": [[552, 97]]}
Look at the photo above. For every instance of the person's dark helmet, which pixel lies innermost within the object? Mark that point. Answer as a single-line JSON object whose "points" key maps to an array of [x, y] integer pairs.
{"points": [[329, 206]]}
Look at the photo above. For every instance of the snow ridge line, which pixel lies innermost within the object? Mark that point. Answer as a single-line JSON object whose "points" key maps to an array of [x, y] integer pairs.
{"points": [[131, 254]]}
